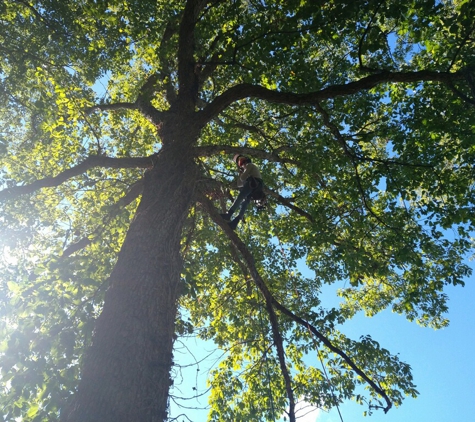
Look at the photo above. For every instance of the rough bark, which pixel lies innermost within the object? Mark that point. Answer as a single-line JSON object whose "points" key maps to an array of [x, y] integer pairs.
{"points": [[131, 356]]}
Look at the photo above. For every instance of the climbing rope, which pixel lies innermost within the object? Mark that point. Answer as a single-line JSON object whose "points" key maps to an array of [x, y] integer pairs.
{"points": [[332, 387], [271, 396], [327, 377]]}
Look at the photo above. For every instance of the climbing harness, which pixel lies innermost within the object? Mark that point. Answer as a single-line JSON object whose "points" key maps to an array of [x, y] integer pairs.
{"points": [[260, 200], [258, 196]]}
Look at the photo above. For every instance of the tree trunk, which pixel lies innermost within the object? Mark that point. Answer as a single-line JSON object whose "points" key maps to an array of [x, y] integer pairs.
{"points": [[126, 373]]}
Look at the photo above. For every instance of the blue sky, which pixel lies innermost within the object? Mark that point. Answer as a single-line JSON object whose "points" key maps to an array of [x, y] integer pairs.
{"points": [[442, 364]]}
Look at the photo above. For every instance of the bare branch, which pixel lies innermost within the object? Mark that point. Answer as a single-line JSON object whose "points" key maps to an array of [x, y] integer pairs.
{"points": [[87, 164]]}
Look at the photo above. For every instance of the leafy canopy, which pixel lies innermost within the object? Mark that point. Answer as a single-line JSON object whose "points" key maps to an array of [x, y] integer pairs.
{"points": [[364, 183]]}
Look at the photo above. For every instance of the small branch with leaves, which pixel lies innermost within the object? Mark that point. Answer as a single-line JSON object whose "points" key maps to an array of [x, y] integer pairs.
{"points": [[272, 303]]}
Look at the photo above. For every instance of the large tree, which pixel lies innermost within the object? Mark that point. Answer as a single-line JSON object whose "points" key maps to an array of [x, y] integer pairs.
{"points": [[119, 120]]}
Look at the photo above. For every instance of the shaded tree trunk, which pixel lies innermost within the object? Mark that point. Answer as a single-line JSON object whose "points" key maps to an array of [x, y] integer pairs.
{"points": [[131, 356]]}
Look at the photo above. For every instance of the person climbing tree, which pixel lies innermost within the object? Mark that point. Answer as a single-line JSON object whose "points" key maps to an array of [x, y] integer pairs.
{"points": [[249, 183]]}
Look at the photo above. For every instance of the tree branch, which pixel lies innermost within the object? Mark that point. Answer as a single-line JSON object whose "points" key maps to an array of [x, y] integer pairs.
{"points": [[249, 259], [334, 349], [148, 89], [87, 164], [111, 107], [243, 126], [21, 54], [208, 150], [341, 140], [165, 73], [134, 192], [187, 77], [50, 25], [460, 46], [142, 104], [242, 91], [461, 95], [360, 44], [278, 341], [286, 202]]}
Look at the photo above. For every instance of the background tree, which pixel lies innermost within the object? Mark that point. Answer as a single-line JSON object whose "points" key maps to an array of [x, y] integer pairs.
{"points": [[359, 114]]}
